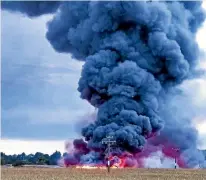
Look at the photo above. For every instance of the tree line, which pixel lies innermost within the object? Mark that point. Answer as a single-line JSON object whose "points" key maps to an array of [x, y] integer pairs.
{"points": [[36, 159], [31, 159]]}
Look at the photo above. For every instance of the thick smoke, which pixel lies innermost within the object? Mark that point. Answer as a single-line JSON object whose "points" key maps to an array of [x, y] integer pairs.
{"points": [[31, 8], [135, 54]]}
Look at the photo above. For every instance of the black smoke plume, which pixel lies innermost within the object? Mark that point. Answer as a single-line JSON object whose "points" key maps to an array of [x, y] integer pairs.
{"points": [[134, 53]]}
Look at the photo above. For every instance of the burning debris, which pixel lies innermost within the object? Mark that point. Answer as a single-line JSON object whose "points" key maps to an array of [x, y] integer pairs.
{"points": [[135, 54]]}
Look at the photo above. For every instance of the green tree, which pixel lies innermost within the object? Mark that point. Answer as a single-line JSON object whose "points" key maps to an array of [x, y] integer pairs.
{"points": [[41, 160], [46, 156], [37, 157], [3, 162], [55, 157]]}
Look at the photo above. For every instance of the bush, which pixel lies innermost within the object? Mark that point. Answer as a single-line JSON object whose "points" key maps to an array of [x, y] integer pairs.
{"points": [[18, 163]]}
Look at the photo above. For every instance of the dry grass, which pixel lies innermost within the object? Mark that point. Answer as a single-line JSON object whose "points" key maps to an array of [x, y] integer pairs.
{"points": [[98, 174]]}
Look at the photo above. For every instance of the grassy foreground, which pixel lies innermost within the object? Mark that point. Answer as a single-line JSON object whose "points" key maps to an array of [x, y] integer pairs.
{"points": [[98, 174]]}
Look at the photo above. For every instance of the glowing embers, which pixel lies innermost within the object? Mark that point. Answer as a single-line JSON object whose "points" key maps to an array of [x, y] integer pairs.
{"points": [[95, 167], [117, 162]]}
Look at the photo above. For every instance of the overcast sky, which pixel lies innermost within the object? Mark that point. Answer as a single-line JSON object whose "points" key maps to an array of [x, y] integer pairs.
{"points": [[41, 106]]}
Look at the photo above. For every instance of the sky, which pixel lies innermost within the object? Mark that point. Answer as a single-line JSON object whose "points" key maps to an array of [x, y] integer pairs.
{"points": [[41, 107]]}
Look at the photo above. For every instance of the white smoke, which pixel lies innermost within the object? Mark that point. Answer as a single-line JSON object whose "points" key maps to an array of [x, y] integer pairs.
{"points": [[159, 160]]}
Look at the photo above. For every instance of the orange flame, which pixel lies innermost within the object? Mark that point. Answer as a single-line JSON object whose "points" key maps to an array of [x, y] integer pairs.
{"points": [[120, 162]]}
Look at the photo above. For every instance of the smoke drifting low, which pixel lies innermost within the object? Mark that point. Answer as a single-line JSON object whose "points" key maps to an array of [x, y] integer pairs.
{"points": [[135, 54]]}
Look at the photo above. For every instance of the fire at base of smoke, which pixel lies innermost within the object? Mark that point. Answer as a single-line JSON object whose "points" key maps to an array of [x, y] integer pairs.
{"points": [[135, 54]]}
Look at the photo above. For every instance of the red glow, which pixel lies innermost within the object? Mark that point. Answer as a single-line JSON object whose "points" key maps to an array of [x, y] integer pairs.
{"points": [[137, 159]]}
